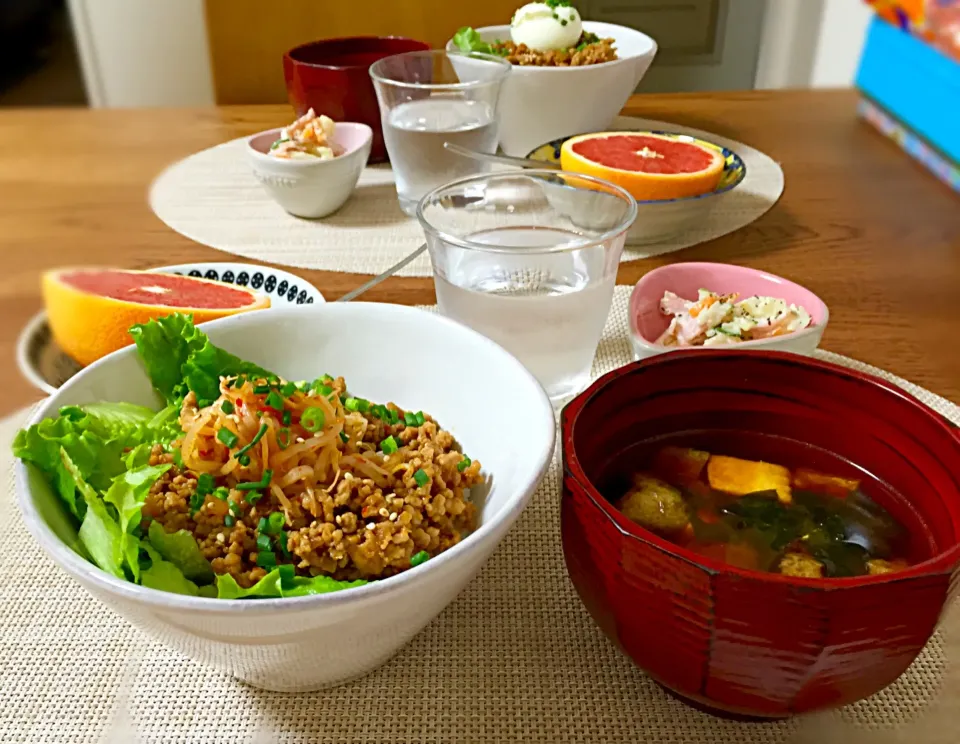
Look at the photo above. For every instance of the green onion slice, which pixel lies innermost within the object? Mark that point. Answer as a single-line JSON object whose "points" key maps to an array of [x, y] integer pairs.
{"points": [[275, 400], [288, 389], [421, 477], [389, 445], [227, 437], [256, 439], [227, 407], [313, 419], [417, 558], [464, 463]]}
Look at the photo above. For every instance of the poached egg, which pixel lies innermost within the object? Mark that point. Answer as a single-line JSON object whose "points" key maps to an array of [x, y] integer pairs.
{"points": [[544, 28]]}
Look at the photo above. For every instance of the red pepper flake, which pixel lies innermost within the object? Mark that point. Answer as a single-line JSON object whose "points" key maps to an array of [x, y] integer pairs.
{"points": [[239, 402], [206, 452]]}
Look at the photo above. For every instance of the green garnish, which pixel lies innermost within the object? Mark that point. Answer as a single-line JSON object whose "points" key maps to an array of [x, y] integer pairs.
{"points": [[196, 502], [389, 445], [262, 524], [264, 542], [325, 390], [343, 437], [313, 419], [222, 493], [417, 558], [327, 378], [266, 559], [227, 407], [286, 418], [253, 497], [177, 457], [229, 521], [244, 460], [227, 437], [557, 4], [240, 381], [256, 438], [288, 389], [409, 418], [279, 142], [205, 484], [275, 400], [261, 389], [563, 21], [234, 507], [264, 482], [421, 477], [464, 463], [357, 404], [282, 544], [283, 438], [420, 418], [274, 523]]}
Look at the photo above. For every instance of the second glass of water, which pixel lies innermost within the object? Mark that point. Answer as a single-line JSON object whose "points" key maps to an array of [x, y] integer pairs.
{"points": [[428, 98], [529, 259]]}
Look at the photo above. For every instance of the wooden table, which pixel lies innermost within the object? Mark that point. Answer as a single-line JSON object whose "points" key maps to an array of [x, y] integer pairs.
{"points": [[859, 223]]}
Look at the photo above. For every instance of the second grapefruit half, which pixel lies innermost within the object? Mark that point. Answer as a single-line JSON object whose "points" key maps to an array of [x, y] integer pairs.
{"points": [[91, 310], [652, 167]]}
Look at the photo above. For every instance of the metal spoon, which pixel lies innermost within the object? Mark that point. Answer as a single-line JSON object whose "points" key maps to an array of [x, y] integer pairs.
{"points": [[502, 159], [354, 293]]}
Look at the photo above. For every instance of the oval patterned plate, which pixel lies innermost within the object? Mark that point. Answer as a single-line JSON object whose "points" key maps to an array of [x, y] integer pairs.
{"points": [[47, 367], [664, 219]]}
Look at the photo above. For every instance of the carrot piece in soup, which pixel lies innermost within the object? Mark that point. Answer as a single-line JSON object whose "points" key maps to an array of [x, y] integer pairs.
{"points": [[831, 485], [740, 477], [680, 465]]}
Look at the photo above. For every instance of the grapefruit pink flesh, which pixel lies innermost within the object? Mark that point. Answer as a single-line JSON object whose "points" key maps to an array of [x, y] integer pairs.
{"points": [[158, 289], [662, 156]]}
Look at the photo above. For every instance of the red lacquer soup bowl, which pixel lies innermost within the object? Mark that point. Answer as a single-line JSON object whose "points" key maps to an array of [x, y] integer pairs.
{"points": [[332, 77], [743, 642]]}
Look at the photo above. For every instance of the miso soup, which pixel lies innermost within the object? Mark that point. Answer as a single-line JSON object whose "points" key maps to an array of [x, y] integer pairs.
{"points": [[764, 516]]}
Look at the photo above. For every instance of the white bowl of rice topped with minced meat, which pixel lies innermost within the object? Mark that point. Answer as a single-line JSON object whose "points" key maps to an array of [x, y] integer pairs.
{"points": [[289, 496]]}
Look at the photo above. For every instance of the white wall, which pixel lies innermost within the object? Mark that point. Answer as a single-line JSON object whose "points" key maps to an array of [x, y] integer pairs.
{"points": [[143, 52], [843, 26]]}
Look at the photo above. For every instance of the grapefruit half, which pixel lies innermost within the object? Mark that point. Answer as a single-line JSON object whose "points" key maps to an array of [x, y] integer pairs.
{"points": [[652, 167], [91, 310]]}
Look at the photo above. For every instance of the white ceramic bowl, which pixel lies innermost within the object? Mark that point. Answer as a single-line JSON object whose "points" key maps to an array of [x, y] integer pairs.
{"points": [[647, 323], [480, 393], [539, 104], [312, 188]]}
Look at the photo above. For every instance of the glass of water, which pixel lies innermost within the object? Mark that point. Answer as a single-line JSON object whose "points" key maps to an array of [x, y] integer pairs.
{"points": [[529, 259], [428, 98]]}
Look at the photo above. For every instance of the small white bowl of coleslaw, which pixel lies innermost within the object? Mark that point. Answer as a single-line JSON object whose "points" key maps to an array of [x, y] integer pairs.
{"points": [[307, 178], [706, 305]]}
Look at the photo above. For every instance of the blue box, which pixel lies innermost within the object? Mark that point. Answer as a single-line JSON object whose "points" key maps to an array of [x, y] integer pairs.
{"points": [[915, 84]]}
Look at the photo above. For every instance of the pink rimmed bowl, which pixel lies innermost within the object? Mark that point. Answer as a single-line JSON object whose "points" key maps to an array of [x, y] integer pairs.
{"points": [[647, 323]]}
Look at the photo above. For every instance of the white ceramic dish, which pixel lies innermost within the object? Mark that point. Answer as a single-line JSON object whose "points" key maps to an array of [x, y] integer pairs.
{"points": [[47, 367], [485, 397], [647, 323], [539, 104], [312, 188]]}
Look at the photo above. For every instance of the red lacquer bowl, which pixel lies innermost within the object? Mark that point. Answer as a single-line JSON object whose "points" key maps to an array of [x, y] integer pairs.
{"points": [[332, 77], [740, 642]]}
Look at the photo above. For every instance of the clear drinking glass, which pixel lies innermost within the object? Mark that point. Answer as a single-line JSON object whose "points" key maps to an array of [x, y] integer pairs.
{"points": [[428, 98], [529, 259]]}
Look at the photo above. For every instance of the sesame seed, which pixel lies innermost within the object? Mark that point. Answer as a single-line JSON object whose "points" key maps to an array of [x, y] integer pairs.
{"points": [[348, 476], [299, 440], [383, 512], [370, 525], [221, 538], [393, 517], [339, 519]]}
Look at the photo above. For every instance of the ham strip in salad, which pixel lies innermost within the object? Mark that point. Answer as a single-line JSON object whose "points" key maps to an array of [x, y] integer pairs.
{"points": [[717, 320]]}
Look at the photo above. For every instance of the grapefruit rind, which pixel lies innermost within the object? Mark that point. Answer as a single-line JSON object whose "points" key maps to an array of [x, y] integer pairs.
{"points": [[642, 185], [88, 326]]}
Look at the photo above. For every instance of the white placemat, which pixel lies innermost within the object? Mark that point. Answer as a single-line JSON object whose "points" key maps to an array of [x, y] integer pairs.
{"points": [[212, 197], [515, 658]]}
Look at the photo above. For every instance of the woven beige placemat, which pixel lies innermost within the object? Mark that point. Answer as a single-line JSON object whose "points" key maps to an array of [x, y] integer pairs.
{"points": [[212, 197], [514, 659]]}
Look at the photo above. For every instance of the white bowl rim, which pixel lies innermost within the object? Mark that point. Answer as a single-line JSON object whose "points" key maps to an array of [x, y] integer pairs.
{"points": [[642, 343], [159, 599], [539, 69], [316, 162], [37, 320]]}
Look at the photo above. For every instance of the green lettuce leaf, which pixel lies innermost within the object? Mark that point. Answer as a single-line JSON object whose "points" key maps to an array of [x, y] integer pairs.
{"points": [[127, 494], [281, 582], [181, 549], [99, 532], [179, 358], [468, 40], [96, 436], [156, 573]]}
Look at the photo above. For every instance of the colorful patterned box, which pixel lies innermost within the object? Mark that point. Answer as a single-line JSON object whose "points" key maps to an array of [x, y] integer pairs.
{"points": [[935, 21], [912, 93]]}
